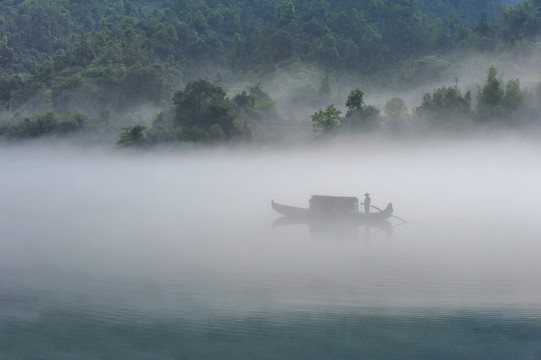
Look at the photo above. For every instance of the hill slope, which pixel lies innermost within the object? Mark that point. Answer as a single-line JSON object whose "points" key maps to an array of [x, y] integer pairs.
{"points": [[105, 56]]}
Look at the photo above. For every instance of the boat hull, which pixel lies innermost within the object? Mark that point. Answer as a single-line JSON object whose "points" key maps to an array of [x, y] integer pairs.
{"points": [[292, 211], [298, 214]]}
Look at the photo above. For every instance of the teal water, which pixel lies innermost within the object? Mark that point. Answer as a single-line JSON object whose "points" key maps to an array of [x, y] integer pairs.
{"points": [[82, 319], [76, 333], [173, 256]]}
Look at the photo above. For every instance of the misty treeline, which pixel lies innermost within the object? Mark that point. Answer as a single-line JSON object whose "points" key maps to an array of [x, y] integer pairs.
{"points": [[69, 66], [498, 104], [202, 112]]}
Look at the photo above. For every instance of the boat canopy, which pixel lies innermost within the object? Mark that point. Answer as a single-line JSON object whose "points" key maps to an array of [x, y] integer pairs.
{"points": [[334, 204]]}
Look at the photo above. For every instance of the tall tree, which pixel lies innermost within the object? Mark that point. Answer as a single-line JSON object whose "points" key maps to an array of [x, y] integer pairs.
{"points": [[326, 122], [203, 104], [360, 117], [489, 99]]}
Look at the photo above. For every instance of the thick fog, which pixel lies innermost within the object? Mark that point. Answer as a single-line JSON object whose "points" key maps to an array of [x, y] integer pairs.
{"points": [[194, 227]]}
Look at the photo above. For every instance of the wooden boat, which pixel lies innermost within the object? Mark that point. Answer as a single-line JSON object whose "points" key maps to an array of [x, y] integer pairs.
{"points": [[333, 209]]}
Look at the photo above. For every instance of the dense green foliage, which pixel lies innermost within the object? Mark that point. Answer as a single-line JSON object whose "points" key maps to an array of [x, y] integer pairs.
{"points": [[44, 124], [444, 109], [33, 31], [326, 122], [360, 117], [499, 103], [132, 136], [467, 10], [105, 59], [202, 112]]}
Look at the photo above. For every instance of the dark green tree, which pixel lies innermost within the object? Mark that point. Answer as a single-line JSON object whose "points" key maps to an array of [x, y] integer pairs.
{"points": [[132, 136], [514, 98], [326, 122], [360, 117], [395, 108], [47, 123], [355, 102], [203, 105], [490, 97], [446, 107], [284, 12]]}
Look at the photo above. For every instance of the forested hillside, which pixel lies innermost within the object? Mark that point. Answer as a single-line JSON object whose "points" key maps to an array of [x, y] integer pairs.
{"points": [[468, 11], [103, 58]]}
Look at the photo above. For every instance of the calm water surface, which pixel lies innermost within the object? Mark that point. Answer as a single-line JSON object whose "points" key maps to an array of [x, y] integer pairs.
{"points": [[173, 255]]}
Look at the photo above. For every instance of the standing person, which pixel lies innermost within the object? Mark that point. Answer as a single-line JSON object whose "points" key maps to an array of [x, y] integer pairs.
{"points": [[367, 203]]}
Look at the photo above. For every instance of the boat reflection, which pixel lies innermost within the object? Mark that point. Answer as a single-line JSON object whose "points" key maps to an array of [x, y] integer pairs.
{"points": [[336, 229]]}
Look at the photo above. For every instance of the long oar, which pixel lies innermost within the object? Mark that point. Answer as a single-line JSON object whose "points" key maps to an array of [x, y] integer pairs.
{"points": [[396, 217]]}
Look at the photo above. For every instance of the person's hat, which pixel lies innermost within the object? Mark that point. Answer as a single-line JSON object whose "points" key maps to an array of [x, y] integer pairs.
{"points": [[366, 194]]}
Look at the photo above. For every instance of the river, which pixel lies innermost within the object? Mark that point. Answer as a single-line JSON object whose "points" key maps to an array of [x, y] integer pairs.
{"points": [[171, 254]]}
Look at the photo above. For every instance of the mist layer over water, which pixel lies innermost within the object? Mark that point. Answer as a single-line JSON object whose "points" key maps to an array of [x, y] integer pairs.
{"points": [[172, 254]]}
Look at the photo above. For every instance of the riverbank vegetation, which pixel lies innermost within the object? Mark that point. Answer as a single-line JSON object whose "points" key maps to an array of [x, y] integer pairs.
{"points": [[141, 73]]}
